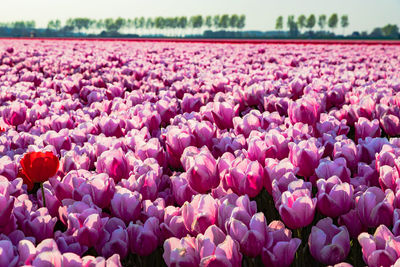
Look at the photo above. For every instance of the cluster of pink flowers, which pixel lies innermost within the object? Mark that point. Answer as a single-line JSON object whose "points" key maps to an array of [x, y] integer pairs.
{"points": [[201, 154]]}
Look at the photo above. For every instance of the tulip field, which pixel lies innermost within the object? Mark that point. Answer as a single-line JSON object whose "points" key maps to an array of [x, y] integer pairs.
{"points": [[123, 153]]}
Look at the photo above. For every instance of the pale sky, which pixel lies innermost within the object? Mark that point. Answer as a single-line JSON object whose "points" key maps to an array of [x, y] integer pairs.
{"points": [[260, 14]]}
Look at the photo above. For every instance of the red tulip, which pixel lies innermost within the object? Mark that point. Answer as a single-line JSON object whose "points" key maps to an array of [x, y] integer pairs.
{"points": [[38, 167], [26, 180]]}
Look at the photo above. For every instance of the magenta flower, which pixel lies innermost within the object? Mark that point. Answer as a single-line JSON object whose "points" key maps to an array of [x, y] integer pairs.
{"points": [[113, 239], [144, 238], [8, 254], [366, 128], [114, 163], [305, 155], [245, 177], [250, 235], [305, 110], [390, 124], [217, 248], [181, 252], [14, 114], [334, 197], [380, 249], [328, 243], [126, 204], [297, 208], [200, 213], [176, 141], [223, 114], [327, 169], [375, 207], [173, 224], [201, 171], [281, 248]]}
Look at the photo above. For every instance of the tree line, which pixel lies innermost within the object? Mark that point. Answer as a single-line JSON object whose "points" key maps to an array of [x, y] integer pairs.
{"points": [[138, 24], [295, 26]]}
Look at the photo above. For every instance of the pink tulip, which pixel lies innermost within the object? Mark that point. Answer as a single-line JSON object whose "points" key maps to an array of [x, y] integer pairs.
{"points": [[223, 114], [181, 190], [251, 236], [200, 213], [305, 155], [375, 207], [334, 197], [173, 224], [126, 204], [346, 148], [151, 149], [297, 209], [217, 248], [113, 239], [281, 248], [365, 128], [144, 238], [14, 114], [114, 163], [353, 223], [328, 243], [39, 224], [327, 169], [202, 171], [111, 126], [245, 177], [304, 110], [176, 141], [181, 252], [8, 254], [380, 249], [390, 124]]}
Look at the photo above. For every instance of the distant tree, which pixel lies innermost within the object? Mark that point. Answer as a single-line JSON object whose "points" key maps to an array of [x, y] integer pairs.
{"points": [[301, 22], [130, 23], [19, 25], [100, 25], [344, 22], [149, 24], [376, 33], [279, 23], [120, 23], [69, 25], [224, 21], [159, 23], [322, 22], [390, 30], [310, 23], [208, 22], [141, 22], [182, 23], [112, 25], [233, 21], [196, 22], [50, 25], [242, 22], [79, 23], [333, 21], [30, 24], [292, 25], [216, 21]]}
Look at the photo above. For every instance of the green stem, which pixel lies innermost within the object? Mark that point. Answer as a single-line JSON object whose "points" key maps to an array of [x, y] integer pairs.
{"points": [[43, 197], [298, 231]]}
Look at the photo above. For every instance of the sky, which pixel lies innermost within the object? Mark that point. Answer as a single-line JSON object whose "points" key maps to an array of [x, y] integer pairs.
{"points": [[364, 15]]}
